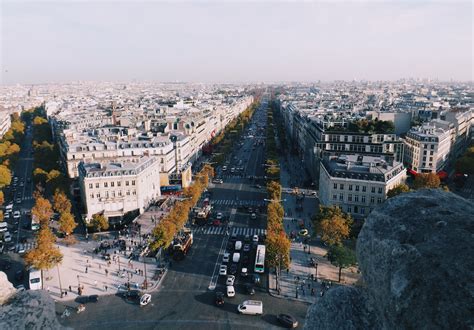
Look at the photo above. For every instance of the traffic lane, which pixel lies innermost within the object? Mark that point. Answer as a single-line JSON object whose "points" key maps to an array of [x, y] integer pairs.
{"points": [[183, 310]]}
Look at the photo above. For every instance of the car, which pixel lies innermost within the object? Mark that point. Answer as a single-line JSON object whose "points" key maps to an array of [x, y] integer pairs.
{"points": [[246, 247], [219, 299], [303, 232], [230, 291], [233, 238], [218, 181], [250, 210], [6, 216], [255, 238], [253, 216], [22, 184], [258, 186], [223, 270], [216, 222], [247, 238], [287, 321], [226, 257], [245, 259], [3, 226], [249, 289], [21, 248], [243, 271], [20, 288], [255, 279], [131, 295], [16, 215], [219, 216], [233, 269], [86, 299], [230, 280], [7, 237]]}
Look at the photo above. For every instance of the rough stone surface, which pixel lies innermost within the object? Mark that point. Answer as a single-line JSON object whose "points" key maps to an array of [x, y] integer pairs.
{"points": [[29, 310], [416, 257], [6, 288]]}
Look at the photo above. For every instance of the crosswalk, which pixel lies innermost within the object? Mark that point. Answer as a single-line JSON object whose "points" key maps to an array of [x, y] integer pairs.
{"points": [[240, 231], [233, 202]]}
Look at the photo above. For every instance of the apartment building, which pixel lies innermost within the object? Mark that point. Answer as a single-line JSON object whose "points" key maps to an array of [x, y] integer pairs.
{"points": [[116, 188], [358, 183], [427, 147], [5, 122]]}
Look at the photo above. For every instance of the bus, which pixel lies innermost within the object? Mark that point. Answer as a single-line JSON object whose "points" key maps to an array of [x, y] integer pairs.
{"points": [[260, 259]]}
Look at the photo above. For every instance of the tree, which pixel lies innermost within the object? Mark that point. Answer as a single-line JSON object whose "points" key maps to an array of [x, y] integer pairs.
{"points": [[99, 222], [397, 190], [163, 234], [5, 176], [427, 180], [278, 249], [341, 257], [332, 224], [61, 203], [2, 198], [45, 255], [42, 210], [1, 216], [274, 190], [67, 223]]}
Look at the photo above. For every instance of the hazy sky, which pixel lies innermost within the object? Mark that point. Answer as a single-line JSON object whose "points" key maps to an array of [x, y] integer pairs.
{"points": [[232, 42]]}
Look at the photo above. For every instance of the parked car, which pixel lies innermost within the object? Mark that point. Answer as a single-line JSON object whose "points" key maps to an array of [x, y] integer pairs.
{"points": [[230, 291], [226, 257], [287, 321], [219, 299], [233, 269]]}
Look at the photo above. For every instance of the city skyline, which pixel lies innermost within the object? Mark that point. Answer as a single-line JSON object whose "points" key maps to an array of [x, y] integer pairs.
{"points": [[235, 42]]}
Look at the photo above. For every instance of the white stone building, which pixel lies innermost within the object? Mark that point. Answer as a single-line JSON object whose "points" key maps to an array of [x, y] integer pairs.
{"points": [[358, 183], [116, 188], [5, 122]]}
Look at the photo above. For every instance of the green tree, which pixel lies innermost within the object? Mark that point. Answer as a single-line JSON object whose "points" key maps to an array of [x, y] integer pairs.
{"points": [[5, 176], [99, 222], [67, 223], [427, 180], [397, 190], [341, 257], [45, 255], [332, 224]]}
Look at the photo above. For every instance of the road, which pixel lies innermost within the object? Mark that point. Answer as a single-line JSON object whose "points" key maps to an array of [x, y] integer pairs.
{"points": [[185, 298]]}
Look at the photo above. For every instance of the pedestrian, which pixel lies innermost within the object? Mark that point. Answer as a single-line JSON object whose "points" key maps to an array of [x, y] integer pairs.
{"points": [[65, 292], [70, 289], [100, 266], [312, 291], [87, 261], [304, 248], [86, 269], [287, 271], [106, 272]]}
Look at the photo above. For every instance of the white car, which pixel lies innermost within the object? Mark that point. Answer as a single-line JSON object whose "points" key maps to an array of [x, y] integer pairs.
{"points": [[255, 238], [16, 214], [230, 291], [223, 270], [219, 216], [230, 280], [7, 237], [244, 272], [253, 216], [226, 257]]}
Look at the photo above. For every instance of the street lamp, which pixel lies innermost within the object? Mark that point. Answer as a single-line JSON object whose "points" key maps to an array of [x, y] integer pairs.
{"points": [[274, 200]]}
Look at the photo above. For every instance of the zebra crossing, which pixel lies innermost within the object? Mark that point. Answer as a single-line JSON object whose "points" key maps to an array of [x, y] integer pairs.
{"points": [[242, 231], [233, 202]]}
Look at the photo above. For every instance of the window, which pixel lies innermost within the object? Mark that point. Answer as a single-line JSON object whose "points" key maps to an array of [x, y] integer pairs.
{"points": [[363, 199], [349, 197], [91, 186], [432, 146], [112, 184], [97, 185], [364, 188], [334, 197], [133, 182], [357, 187], [335, 186], [356, 198], [127, 183], [362, 210], [341, 186], [113, 193], [350, 187], [120, 193], [92, 195], [379, 200], [134, 193], [97, 195], [128, 192], [341, 196], [106, 194], [380, 190], [372, 199], [119, 183], [373, 190], [349, 209], [106, 184]]}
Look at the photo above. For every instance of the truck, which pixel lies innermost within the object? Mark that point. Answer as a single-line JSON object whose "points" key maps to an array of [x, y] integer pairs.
{"points": [[202, 215], [182, 243]]}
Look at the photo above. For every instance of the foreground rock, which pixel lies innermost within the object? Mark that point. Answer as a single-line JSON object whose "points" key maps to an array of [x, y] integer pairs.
{"points": [[29, 310], [6, 288], [415, 253]]}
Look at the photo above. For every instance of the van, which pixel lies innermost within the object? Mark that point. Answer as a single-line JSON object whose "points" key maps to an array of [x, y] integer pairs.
{"points": [[238, 245], [34, 279], [251, 307], [236, 257]]}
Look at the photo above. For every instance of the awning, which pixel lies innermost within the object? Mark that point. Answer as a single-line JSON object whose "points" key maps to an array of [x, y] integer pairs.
{"points": [[443, 175], [410, 171]]}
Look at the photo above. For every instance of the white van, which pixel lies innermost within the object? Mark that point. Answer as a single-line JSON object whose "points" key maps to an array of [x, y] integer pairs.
{"points": [[35, 279], [236, 257], [251, 307], [238, 245]]}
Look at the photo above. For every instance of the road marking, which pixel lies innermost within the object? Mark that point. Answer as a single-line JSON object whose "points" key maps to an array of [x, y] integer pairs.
{"points": [[213, 282]]}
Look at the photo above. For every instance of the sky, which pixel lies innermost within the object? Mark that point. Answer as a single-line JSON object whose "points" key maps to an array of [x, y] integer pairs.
{"points": [[245, 41]]}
